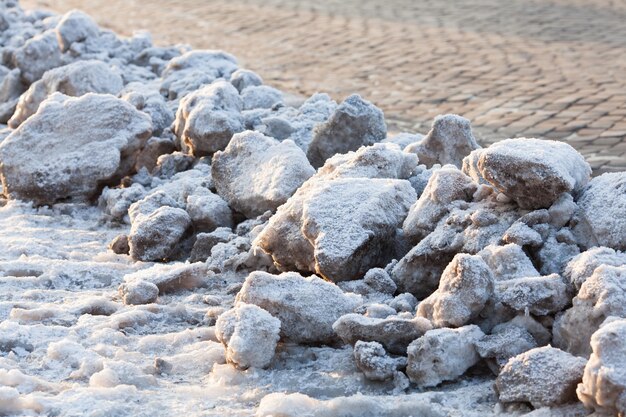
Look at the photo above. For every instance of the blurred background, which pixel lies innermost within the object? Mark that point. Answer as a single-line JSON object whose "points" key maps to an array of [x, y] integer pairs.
{"points": [[537, 68]]}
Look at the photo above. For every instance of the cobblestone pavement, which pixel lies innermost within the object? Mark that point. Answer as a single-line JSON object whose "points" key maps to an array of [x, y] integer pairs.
{"points": [[542, 68]]}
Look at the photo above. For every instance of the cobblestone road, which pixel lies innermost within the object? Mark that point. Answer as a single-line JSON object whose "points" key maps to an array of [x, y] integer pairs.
{"points": [[543, 68]]}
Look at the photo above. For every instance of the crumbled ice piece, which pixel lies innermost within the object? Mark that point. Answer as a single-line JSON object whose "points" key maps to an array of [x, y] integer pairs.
{"points": [[534, 172], [508, 262], [580, 268], [38, 55], [521, 234], [260, 97], [249, 334], [449, 140], [501, 345], [372, 359], [243, 78], [208, 211], [465, 287], [537, 295], [543, 376], [442, 355], [119, 245], [75, 26], [138, 292]]}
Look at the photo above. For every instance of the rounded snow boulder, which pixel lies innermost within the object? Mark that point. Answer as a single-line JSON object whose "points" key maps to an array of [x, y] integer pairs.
{"points": [[249, 334], [71, 147], [534, 172]]}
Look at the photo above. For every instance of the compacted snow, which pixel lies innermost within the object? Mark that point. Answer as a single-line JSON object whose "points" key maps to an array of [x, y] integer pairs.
{"points": [[180, 239]]}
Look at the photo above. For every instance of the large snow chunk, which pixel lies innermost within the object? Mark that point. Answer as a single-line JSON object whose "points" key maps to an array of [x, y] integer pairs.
{"points": [[194, 69], [338, 229], [75, 79], [449, 141], [306, 307], [600, 219], [256, 173], [604, 380], [355, 122], [71, 146], [155, 237], [446, 185], [249, 334], [442, 355], [602, 295], [543, 376], [465, 287], [207, 119], [75, 26], [394, 333], [534, 172]]}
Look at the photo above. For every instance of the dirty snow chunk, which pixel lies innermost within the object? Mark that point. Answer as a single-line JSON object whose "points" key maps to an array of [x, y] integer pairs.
{"points": [[543, 376], [580, 268], [306, 307], [442, 355], [379, 280], [75, 79], [207, 118], [602, 295], [393, 332], [446, 185], [562, 210], [256, 173], [449, 140], [537, 295], [138, 292], [38, 55], [380, 160], [339, 229], [465, 287], [355, 122], [171, 277], [501, 345], [534, 172], [601, 220], [154, 148], [249, 334], [208, 211], [75, 26], [603, 387], [260, 97], [194, 69], [170, 164], [70, 147], [243, 78], [156, 236], [508, 262], [119, 245], [11, 88], [405, 302], [372, 359]]}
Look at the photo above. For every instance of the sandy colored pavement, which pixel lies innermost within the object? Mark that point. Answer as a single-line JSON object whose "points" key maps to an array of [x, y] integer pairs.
{"points": [[547, 68]]}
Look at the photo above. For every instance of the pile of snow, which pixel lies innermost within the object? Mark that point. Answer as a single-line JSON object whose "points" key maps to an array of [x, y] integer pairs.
{"points": [[179, 240]]}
